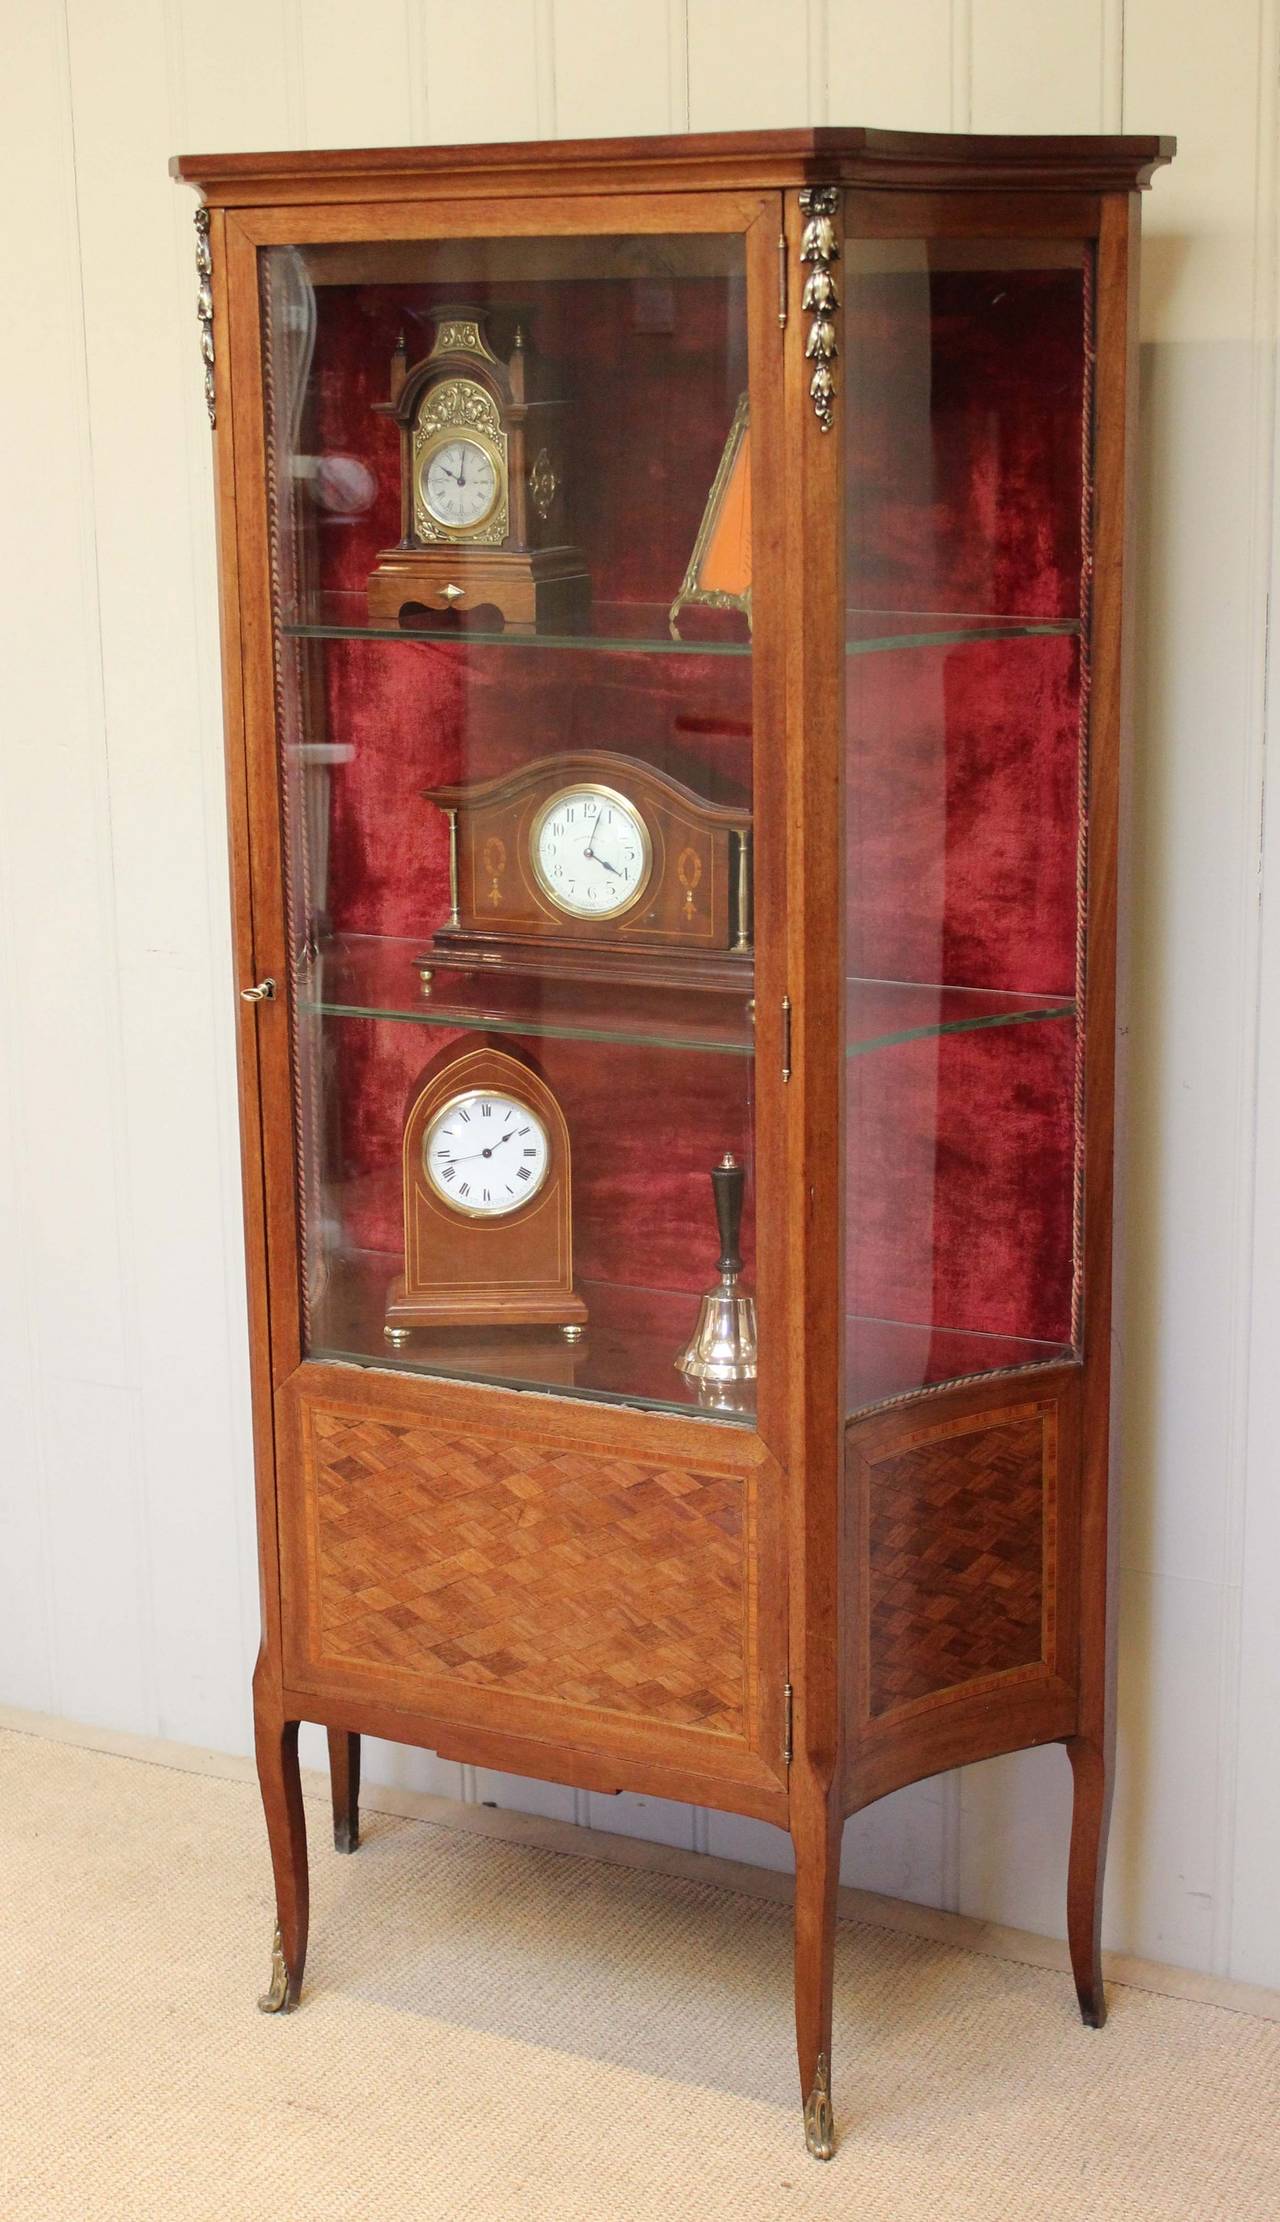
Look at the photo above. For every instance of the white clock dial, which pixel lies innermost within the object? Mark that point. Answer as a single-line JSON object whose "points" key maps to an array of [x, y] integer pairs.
{"points": [[459, 484], [486, 1153], [591, 853]]}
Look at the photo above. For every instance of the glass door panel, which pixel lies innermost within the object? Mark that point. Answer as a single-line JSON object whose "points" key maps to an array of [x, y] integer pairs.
{"points": [[516, 729], [967, 408]]}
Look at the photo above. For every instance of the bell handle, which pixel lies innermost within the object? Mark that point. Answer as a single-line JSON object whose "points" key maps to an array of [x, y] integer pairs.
{"points": [[728, 1180]]}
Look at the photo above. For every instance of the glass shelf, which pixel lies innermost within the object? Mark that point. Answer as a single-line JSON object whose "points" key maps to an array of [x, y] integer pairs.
{"points": [[638, 628], [888, 1358], [628, 1353], [368, 976], [641, 628]]}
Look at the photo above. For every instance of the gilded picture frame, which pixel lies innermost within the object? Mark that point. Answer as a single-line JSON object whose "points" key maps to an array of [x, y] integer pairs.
{"points": [[719, 570]]}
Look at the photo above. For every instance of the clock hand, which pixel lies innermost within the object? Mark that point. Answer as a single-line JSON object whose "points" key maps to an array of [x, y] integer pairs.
{"points": [[468, 1157]]}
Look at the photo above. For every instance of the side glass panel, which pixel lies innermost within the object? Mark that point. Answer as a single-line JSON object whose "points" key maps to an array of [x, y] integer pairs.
{"points": [[966, 405], [516, 730]]}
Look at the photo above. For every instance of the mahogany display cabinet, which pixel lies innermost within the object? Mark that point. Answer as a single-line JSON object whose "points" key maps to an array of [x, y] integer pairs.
{"points": [[673, 622]]}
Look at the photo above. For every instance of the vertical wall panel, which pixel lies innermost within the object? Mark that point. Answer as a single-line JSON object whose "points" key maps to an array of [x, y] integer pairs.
{"points": [[238, 67], [1015, 1822], [191, 1440], [748, 64], [1203, 592], [1254, 1933], [55, 864], [482, 71], [613, 69], [890, 67], [356, 77], [1037, 68], [1164, 1875], [97, 1543]]}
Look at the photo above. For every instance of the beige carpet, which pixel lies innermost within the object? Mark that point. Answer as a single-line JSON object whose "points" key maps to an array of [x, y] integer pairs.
{"points": [[495, 2030]]}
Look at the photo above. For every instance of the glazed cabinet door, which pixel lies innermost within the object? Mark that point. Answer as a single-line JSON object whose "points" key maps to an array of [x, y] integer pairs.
{"points": [[516, 799]]}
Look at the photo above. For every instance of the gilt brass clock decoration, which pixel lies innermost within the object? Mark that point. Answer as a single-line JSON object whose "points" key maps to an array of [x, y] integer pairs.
{"points": [[601, 867], [482, 483], [719, 572], [488, 1218]]}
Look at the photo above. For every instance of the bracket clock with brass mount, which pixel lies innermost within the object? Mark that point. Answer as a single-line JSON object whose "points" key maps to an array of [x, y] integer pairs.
{"points": [[482, 483]]}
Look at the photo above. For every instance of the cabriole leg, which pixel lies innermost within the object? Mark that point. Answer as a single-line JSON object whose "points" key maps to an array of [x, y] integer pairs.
{"points": [[816, 1832], [344, 1781], [276, 1745], [1090, 1817]]}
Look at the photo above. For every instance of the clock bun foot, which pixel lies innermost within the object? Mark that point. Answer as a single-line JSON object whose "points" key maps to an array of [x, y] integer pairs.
{"points": [[572, 1333], [396, 1336]]}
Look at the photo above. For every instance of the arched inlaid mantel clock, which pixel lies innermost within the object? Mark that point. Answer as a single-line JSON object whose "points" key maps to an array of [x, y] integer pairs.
{"points": [[555, 913]]}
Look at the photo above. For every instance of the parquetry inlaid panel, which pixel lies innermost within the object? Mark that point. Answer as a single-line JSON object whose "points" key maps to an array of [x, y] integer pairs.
{"points": [[530, 1567], [958, 1571]]}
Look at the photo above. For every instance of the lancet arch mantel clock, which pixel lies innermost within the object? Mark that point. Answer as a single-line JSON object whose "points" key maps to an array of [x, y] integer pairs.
{"points": [[865, 1537]]}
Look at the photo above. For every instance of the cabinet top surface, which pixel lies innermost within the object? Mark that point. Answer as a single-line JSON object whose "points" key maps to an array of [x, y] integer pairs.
{"points": [[842, 154]]}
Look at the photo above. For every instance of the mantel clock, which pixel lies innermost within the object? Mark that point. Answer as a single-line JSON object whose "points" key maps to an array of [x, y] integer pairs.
{"points": [[597, 865], [482, 482], [488, 1215], [788, 883]]}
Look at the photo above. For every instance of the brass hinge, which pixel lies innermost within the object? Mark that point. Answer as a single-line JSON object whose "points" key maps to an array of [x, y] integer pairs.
{"points": [[788, 1696], [786, 1038], [782, 279]]}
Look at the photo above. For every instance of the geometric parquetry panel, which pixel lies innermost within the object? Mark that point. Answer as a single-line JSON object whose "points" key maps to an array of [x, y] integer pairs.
{"points": [[960, 1530], [532, 1568]]}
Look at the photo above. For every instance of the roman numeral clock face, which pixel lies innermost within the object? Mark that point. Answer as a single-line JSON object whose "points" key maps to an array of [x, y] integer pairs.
{"points": [[459, 484], [485, 1154]]}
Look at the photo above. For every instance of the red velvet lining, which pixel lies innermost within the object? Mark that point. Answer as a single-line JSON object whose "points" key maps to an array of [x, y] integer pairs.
{"points": [[962, 770], [963, 401], [960, 1184], [646, 1126], [424, 716]]}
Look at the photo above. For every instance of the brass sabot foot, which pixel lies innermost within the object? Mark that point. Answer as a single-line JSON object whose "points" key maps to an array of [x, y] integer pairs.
{"points": [[819, 2121], [275, 1999]]}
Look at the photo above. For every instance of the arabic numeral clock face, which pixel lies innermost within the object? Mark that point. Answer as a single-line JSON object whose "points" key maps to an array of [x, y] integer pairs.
{"points": [[591, 852], [486, 1154], [459, 483]]}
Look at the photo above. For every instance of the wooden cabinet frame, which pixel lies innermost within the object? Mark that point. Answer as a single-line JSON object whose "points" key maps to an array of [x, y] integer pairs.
{"points": [[812, 1726]]}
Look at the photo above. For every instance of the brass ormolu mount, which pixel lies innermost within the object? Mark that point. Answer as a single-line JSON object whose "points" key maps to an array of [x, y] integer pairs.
{"points": [[280, 1996], [723, 1348], [819, 2122]]}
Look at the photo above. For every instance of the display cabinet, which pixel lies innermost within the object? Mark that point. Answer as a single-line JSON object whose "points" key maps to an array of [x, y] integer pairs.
{"points": [[672, 606]]}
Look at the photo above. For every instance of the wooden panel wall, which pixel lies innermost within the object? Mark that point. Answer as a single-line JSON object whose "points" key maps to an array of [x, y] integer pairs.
{"points": [[127, 1588]]}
